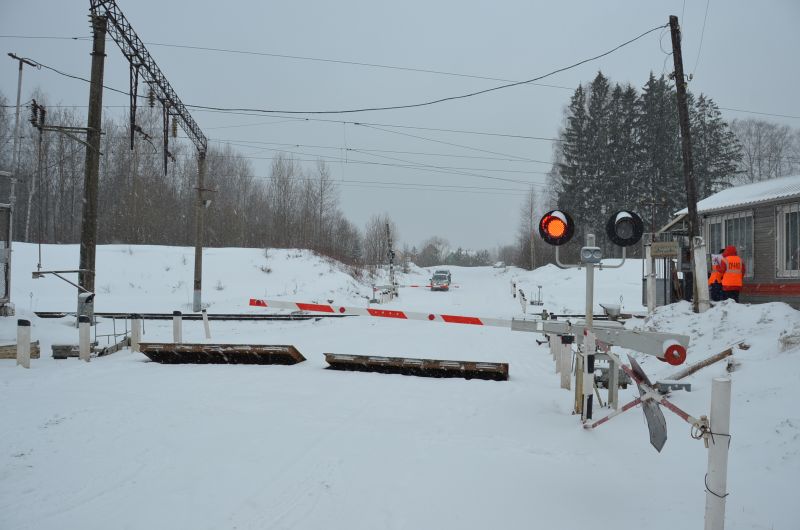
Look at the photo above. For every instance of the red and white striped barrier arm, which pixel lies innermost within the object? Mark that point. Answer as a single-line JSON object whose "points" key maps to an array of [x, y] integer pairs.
{"points": [[382, 313]]}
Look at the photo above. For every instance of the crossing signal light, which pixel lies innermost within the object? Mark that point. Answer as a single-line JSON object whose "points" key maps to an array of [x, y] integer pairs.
{"points": [[624, 228], [556, 227]]}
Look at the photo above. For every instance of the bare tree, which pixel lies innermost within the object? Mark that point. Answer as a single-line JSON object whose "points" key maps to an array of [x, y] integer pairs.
{"points": [[769, 150], [376, 247]]}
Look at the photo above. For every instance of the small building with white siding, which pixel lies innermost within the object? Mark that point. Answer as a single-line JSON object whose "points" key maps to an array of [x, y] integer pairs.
{"points": [[763, 221]]}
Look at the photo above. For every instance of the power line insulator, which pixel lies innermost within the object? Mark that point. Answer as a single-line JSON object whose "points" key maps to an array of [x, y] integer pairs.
{"points": [[174, 127], [151, 97], [34, 113]]}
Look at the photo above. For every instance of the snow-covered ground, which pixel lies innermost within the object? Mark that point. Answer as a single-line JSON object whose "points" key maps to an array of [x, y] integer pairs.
{"points": [[126, 443]]}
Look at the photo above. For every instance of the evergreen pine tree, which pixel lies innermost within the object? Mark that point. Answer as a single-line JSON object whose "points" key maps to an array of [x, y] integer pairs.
{"points": [[662, 190], [716, 152]]}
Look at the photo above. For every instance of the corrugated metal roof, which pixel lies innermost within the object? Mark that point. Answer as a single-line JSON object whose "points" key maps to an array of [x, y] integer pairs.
{"points": [[748, 194]]}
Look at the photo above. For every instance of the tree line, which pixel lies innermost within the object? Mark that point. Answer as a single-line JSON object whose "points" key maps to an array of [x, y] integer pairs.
{"points": [[293, 207], [620, 148]]}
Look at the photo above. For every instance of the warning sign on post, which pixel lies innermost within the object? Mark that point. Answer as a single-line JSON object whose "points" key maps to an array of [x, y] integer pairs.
{"points": [[664, 249]]}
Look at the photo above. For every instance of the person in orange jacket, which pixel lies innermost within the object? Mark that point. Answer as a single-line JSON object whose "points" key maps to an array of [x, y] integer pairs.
{"points": [[715, 279], [733, 272]]}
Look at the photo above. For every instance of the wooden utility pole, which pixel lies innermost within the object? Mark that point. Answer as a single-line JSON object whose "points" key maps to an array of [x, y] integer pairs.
{"points": [[197, 304], [686, 145], [92, 170]]}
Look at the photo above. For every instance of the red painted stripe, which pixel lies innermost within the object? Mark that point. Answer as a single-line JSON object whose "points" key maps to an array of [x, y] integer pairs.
{"points": [[454, 319], [386, 313], [321, 308], [783, 289], [675, 409], [627, 406], [257, 302]]}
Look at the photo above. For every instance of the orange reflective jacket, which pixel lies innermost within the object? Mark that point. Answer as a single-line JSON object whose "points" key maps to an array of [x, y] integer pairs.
{"points": [[716, 277], [734, 271]]}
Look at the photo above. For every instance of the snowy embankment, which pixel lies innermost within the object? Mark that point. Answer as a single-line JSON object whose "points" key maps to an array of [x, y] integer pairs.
{"points": [[123, 442]]}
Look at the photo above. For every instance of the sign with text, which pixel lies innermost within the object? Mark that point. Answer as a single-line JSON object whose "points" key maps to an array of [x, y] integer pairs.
{"points": [[664, 249]]}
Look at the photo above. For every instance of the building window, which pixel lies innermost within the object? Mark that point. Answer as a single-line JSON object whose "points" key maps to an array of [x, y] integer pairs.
{"points": [[732, 229], [789, 241]]}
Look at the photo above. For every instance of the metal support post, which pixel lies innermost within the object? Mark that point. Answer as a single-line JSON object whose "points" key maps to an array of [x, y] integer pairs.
{"points": [[579, 383], [718, 440], [650, 263], [590, 242], [15, 156], [177, 331], [24, 343], [613, 383], [197, 304], [589, 346]]}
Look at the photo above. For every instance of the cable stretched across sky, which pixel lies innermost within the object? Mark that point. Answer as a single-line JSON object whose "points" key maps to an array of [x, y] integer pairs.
{"points": [[410, 105], [440, 100]]}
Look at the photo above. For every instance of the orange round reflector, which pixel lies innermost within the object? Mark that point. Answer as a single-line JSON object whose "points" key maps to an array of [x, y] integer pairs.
{"points": [[555, 227]]}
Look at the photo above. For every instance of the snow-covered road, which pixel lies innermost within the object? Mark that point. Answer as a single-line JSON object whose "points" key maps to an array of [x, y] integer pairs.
{"points": [[126, 443]]}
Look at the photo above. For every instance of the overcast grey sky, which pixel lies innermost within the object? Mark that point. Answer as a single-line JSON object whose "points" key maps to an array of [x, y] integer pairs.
{"points": [[747, 61]]}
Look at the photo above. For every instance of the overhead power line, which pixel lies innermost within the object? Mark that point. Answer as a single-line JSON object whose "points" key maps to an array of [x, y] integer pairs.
{"points": [[444, 99], [390, 151], [761, 113], [303, 58], [413, 105]]}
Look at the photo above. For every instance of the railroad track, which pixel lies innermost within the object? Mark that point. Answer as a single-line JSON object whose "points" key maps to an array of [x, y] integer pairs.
{"points": [[196, 316]]}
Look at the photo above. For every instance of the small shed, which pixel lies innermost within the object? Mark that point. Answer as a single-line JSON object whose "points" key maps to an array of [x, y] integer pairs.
{"points": [[763, 221]]}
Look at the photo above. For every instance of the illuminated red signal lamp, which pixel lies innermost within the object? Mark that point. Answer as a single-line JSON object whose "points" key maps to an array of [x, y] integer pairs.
{"points": [[556, 227]]}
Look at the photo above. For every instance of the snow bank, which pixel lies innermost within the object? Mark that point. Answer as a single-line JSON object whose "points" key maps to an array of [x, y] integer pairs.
{"points": [[128, 443]]}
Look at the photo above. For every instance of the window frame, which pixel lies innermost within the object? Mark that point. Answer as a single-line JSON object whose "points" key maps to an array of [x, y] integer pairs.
{"points": [[780, 252], [721, 220]]}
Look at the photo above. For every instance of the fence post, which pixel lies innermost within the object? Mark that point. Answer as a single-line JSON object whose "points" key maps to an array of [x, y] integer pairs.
{"points": [[136, 331], [719, 440], [177, 331], [205, 324], [24, 343], [84, 349], [565, 359]]}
